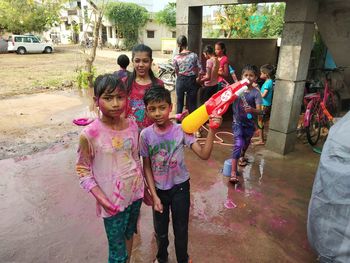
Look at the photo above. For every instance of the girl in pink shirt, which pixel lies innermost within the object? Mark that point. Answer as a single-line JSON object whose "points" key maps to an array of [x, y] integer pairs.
{"points": [[109, 168], [220, 51], [139, 81]]}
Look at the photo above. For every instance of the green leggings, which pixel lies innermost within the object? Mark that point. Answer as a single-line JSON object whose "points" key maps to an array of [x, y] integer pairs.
{"points": [[120, 227]]}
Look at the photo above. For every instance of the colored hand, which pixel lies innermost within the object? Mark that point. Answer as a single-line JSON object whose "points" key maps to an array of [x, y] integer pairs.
{"points": [[157, 204], [249, 109], [147, 197], [215, 119], [108, 206]]}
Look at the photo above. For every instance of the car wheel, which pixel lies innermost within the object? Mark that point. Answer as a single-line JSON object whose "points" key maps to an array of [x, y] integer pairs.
{"points": [[21, 50], [48, 50]]}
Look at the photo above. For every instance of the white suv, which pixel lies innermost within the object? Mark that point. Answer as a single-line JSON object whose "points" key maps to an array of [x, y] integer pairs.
{"points": [[28, 43]]}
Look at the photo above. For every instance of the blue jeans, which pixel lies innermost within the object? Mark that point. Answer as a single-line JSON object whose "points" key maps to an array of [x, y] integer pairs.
{"points": [[176, 199], [186, 84]]}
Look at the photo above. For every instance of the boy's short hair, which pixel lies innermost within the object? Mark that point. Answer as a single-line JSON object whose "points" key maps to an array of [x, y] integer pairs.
{"points": [[157, 93], [269, 70], [123, 61], [107, 83], [251, 68]]}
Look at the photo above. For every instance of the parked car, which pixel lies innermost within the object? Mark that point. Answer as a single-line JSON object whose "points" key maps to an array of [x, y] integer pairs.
{"points": [[28, 44]]}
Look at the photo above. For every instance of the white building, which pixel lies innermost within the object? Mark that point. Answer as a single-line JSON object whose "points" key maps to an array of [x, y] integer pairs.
{"points": [[75, 26]]}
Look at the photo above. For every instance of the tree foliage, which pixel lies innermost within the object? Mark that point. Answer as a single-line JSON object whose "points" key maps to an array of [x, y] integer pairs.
{"points": [[252, 20], [128, 19], [167, 16], [23, 16]]}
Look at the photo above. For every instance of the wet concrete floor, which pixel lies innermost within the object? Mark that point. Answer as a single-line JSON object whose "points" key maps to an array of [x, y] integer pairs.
{"points": [[46, 217]]}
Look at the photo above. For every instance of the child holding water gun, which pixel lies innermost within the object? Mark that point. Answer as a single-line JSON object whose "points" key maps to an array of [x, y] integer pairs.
{"points": [[244, 110], [109, 168], [162, 148]]}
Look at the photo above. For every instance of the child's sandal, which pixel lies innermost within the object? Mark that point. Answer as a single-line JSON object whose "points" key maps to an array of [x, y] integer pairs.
{"points": [[242, 161]]}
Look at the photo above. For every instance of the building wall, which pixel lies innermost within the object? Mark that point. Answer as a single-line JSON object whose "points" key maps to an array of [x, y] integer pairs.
{"points": [[160, 31]]}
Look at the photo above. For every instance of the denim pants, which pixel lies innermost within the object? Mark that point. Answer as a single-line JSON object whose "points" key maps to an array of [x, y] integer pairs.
{"points": [[176, 199], [186, 84]]}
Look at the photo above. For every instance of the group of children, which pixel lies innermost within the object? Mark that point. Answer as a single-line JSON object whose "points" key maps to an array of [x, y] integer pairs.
{"points": [[134, 122]]}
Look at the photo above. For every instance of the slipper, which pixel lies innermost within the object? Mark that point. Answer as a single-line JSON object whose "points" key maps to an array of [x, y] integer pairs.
{"points": [[82, 121], [234, 180], [242, 161], [258, 143]]}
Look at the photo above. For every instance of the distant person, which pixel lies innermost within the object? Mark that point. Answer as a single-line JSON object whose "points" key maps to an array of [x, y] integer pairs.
{"points": [[138, 82], [267, 73], [123, 62], [162, 149], [187, 68], [210, 79], [109, 167], [245, 110], [328, 224], [220, 51]]}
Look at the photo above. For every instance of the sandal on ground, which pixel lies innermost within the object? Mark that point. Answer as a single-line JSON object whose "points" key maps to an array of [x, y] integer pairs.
{"points": [[242, 161], [234, 180], [258, 143]]}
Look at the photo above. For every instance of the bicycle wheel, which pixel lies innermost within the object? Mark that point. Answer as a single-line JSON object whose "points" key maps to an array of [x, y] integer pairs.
{"points": [[313, 131]]}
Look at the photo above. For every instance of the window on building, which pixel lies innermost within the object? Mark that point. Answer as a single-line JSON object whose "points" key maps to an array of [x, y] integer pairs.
{"points": [[110, 31], [173, 34], [150, 33]]}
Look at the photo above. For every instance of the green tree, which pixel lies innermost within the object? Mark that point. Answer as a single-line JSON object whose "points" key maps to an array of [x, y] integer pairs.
{"points": [[252, 20], [167, 16], [22, 16], [128, 19]]}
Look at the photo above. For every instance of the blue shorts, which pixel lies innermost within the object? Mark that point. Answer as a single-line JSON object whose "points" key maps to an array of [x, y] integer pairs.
{"points": [[120, 227]]}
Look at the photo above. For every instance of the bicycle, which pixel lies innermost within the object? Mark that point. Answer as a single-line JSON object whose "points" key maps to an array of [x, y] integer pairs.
{"points": [[321, 106]]}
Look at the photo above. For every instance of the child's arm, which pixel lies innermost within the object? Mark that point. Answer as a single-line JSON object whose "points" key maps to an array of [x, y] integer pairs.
{"points": [[205, 151], [147, 169], [87, 180], [264, 93], [207, 75]]}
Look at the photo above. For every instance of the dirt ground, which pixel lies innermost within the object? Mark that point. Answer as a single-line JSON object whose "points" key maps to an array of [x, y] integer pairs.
{"points": [[39, 98]]}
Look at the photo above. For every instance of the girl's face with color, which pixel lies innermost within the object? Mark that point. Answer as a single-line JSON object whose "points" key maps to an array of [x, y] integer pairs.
{"points": [[263, 75], [250, 75], [112, 105], [142, 63], [218, 50], [159, 112]]}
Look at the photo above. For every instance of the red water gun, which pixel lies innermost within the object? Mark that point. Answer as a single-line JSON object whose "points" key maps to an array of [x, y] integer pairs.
{"points": [[217, 105]]}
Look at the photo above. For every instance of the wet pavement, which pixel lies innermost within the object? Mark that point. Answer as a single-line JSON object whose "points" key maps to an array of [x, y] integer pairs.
{"points": [[46, 217]]}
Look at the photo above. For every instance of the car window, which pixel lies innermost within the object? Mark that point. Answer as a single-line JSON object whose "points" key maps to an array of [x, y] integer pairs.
{"points": [[35, 40], [18, 39], [27, 40]]}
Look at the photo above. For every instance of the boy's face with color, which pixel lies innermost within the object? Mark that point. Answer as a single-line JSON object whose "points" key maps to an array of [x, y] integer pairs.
{"points": [[112, 105], [159, 112], [250, 75], [142, 63]]}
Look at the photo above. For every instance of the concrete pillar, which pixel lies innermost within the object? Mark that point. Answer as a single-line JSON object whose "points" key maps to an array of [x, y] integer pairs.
{"points": [[297, 40], [189, 23]]}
